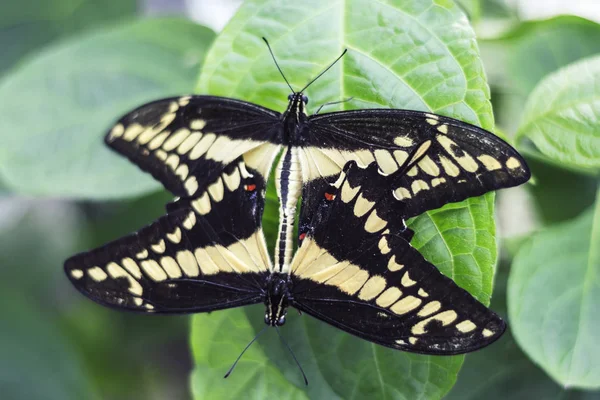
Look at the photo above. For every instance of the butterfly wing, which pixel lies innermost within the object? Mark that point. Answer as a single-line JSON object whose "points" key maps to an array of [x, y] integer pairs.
{"points": [[185, 142], [353, 271], [204, 255], [462, 161]]}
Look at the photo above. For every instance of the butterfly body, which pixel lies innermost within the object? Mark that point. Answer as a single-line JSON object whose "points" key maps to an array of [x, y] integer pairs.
{"points": [[288, 177], [277, 298], [295, 120]]}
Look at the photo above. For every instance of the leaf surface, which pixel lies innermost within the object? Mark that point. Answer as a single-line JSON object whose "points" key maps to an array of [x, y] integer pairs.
{"points": [[561, 116], [553, 293]]}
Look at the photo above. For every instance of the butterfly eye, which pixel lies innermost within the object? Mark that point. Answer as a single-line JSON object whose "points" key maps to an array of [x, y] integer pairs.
{"points": [[281, 320], [290, 96], [305, 99], [267, 319]]}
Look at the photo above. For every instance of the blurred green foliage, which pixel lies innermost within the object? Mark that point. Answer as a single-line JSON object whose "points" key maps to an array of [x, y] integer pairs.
{"points": [[102, 74], [29, 25], [70, 67]]}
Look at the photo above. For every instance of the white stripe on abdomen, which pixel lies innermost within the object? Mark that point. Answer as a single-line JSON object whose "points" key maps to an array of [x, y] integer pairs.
{"points": [[289, 188]]}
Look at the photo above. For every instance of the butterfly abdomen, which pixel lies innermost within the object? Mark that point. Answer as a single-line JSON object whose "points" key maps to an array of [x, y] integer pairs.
{"points": [[289, 188], [278, 294]]}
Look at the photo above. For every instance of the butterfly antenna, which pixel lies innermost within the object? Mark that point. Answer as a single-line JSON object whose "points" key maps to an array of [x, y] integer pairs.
{"points": [[325, 70], [279, 68], [293, 355], [332, 103], [243, 351]]}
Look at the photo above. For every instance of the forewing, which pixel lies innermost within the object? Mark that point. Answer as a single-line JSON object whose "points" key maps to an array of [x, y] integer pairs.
{"points": [[203, 255], [356, 271], [185, 142], [462, 161]]}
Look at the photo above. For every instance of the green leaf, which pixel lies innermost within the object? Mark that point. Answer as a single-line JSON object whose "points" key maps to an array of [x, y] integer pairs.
{"points": [[538, 48], [561, 116], [255, 377], [38, 22], [55, 109], [401, 54], [429, 53], [517, 61], [337, 366], [553, 293], [504, 371]]}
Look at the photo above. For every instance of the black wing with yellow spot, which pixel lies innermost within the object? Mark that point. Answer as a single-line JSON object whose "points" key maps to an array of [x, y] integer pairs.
{"points": [[356, 270], [185, 142], [462, 160], [205, 254]]}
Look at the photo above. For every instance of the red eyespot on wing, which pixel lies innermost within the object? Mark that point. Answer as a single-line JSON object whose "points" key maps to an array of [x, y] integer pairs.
{"points": [[329, 196], [250, 188], [302, 236]]}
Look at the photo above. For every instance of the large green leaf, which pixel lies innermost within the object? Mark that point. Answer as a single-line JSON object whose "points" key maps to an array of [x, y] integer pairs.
{"points": [[217, 340], [517, 61], [553, 297], [504, 371], [27, 25], [55, 109], [538, 48], [561, 116], [402, 54]]}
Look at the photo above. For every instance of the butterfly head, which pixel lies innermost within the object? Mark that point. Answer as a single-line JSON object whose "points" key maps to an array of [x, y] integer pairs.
{"points": [[293, 96], [277, 300], [296, 107]]}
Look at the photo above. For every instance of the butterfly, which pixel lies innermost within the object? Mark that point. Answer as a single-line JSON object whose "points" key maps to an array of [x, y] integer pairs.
{"points": [[187, 142], [361, 174], [354, 269]]}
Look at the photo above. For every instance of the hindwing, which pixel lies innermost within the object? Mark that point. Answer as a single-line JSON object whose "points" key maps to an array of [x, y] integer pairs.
{"points": [[205, 254], [356, 270], [185, 142]]}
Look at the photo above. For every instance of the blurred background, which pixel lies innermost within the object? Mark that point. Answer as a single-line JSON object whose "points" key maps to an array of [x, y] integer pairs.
{"points": [[55, 344]]}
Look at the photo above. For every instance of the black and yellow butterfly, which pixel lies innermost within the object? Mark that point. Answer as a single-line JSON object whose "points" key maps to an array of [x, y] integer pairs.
{"points": [[360, 173]]}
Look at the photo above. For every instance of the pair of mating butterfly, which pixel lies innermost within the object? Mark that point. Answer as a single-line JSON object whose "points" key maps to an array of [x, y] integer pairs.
{"points": [[361, 174]]}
